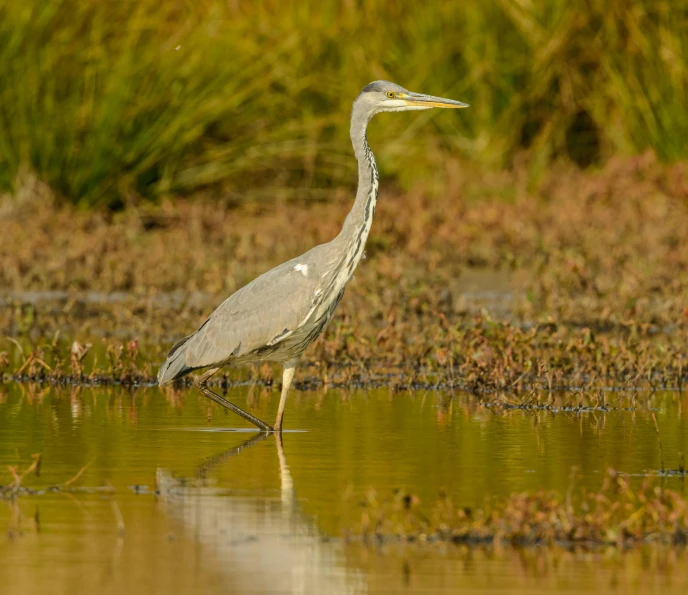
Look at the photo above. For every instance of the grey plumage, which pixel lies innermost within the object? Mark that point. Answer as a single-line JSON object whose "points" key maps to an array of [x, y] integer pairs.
{"points": [[257, 322], [280, 313]]}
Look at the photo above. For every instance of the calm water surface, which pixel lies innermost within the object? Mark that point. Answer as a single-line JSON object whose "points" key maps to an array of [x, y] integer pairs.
{"points": [[171, 501]]}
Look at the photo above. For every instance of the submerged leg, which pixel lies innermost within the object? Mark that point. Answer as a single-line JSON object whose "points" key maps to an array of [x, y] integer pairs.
{"points": [[287, 377], [202, 385]]}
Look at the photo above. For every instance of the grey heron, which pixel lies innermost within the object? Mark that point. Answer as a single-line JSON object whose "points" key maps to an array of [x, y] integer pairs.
{"points": [[278, 315]]}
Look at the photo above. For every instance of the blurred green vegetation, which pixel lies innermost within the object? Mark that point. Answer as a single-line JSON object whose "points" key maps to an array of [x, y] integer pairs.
{"points": [[107, 102]]}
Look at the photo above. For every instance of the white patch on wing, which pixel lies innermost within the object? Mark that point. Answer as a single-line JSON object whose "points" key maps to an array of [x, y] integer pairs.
{"points": [[302, 268]]}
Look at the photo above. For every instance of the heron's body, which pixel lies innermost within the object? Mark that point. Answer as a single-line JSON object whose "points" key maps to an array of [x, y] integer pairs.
{"points": [[279, 314]]}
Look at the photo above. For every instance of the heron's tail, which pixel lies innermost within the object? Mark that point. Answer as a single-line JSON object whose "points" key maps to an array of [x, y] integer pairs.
{"points": [[175, 364]]}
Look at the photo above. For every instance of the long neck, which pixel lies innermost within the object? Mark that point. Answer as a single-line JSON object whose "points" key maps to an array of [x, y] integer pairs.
{"points": [[359, 220]]}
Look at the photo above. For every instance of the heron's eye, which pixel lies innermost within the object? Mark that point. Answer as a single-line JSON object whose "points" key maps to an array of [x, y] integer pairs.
{"points": [[390, 94]]}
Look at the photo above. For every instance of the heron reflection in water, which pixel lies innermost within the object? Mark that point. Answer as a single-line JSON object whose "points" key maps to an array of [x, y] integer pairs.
{"points": [[278, 315], [256, 542]]}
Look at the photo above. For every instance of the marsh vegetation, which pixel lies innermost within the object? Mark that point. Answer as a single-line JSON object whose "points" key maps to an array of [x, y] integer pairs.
{"points": [[110, 103], [507, 368]]}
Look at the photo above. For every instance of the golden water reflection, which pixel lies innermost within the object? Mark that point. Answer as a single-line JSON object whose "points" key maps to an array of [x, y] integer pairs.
{"points": [[171, 502]]}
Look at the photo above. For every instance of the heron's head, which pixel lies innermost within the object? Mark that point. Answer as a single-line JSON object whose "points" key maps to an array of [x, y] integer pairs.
{"points": [[383, 96]]}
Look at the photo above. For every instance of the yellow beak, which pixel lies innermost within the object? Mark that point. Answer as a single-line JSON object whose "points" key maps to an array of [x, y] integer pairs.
{"points": [[431, 101]]}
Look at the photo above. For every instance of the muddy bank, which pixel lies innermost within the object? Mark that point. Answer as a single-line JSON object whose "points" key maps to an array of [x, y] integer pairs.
{"points": [[579, 282]]}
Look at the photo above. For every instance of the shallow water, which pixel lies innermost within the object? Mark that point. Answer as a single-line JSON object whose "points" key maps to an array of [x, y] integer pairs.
{"points": [[171, 499]]}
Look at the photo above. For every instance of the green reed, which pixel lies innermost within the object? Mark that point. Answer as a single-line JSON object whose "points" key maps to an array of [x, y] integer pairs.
{"points": [[111, 101]]}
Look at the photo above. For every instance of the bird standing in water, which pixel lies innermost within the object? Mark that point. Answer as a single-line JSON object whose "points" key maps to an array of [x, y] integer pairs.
{"points": [[278, 315]]}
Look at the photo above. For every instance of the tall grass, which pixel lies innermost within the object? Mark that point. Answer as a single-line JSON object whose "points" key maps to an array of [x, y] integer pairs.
{"points": [[107, 101]]}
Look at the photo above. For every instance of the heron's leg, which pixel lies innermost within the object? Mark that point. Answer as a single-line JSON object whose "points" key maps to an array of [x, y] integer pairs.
{"points": [[202, 384], [287, 377]]}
